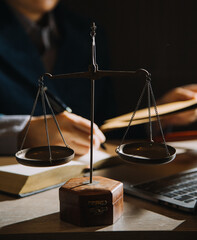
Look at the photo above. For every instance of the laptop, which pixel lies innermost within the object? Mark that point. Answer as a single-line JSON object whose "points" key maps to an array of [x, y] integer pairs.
{"points": [[178, 191]]}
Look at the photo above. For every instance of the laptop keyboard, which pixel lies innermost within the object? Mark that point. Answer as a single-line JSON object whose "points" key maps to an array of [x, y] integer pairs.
{"points": [[182, 187]]}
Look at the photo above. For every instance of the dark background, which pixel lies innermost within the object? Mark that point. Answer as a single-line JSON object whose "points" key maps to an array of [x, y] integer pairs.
{"points": [[158, 35]]}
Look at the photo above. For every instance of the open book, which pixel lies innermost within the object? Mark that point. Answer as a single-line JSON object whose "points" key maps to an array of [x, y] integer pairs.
{"points": [[23, 180], [142, 115]]}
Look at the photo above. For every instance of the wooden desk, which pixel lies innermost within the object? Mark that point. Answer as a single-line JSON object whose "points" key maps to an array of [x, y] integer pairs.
{"points": [[37, 216]]}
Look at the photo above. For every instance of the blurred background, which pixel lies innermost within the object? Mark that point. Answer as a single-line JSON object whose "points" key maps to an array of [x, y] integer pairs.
{"points": [[160, 36]]}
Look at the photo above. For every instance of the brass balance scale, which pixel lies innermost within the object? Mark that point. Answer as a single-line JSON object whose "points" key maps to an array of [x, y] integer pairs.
{"points": [[148, 152]]}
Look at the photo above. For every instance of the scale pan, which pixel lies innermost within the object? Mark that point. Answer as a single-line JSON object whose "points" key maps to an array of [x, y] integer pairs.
{"points": [[39, 156], [146, 152]]}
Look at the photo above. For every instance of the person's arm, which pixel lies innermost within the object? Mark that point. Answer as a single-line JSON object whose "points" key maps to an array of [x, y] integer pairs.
{"points": [[75, 129], [180, 94]]}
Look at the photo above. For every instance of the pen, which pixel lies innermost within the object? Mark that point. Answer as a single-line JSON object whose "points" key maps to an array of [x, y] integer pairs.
{"points": [[103, 146], [56, 103]]}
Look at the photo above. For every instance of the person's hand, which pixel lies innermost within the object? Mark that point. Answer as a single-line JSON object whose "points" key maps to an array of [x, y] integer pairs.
{"points": [[75, 129], [180, 94]]}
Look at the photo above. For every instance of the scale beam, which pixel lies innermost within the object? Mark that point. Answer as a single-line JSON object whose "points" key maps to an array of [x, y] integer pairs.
{"points": [[98, 74]]}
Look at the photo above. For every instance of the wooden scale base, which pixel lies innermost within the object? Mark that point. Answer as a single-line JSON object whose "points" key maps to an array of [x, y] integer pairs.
{"points": [[91, 204]]}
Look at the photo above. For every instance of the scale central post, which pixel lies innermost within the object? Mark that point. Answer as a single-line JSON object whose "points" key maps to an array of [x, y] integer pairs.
{"points": [[92, 125], [93, 67]]}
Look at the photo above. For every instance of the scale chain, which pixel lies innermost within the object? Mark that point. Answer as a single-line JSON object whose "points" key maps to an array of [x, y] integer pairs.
{"points": [[133, 115], [149, 111], [54, 118], [158, 119], [45, 120]]}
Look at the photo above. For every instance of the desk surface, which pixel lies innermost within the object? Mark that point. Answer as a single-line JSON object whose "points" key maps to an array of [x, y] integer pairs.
{"points": [[37, 216]]}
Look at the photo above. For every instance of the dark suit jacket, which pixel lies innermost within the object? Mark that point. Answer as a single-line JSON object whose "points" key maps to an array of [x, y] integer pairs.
{"points": [[21, 66]]}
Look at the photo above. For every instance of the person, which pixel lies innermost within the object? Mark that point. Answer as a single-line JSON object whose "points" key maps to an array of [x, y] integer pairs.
{"points": [[38, 36], [185, 118]]}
